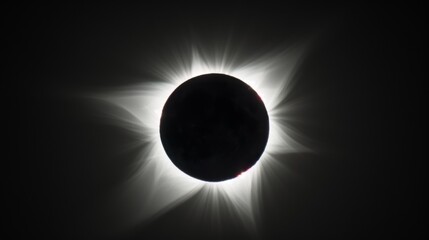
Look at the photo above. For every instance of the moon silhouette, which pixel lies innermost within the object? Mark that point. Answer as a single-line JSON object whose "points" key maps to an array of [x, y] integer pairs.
{"points": [[214, 127]]}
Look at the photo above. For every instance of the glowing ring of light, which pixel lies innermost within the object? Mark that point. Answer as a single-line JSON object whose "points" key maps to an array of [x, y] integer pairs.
{"points": [[157, 184]]}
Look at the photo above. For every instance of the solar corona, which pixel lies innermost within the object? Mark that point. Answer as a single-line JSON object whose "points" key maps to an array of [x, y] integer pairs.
{"points": [[210, 128]]}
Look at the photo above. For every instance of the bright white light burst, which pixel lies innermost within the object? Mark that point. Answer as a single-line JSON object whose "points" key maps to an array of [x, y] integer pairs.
{"points": [[157, 184]]}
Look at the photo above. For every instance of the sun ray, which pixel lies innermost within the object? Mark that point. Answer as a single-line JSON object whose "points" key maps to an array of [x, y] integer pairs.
{"points": [[158, 185]]}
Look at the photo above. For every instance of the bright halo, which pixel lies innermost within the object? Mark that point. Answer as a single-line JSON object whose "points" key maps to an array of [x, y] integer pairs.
{"points": [[157, 184]]}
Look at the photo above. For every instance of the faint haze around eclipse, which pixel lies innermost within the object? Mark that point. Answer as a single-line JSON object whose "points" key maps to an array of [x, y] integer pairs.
{"points": [[357, 100]]}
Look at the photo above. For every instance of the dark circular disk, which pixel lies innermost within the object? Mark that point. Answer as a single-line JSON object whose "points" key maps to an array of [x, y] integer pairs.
{"points": [[214, 127]]}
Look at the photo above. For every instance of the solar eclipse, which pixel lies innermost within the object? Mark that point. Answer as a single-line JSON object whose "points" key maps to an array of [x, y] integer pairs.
{"points": [[211, 128]]}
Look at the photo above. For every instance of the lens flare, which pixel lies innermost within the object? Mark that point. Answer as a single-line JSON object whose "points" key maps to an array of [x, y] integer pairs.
{"points": [[157, 185]]}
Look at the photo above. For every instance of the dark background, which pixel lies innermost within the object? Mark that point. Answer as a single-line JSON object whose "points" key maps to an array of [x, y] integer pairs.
{"points": [[363, 81]]}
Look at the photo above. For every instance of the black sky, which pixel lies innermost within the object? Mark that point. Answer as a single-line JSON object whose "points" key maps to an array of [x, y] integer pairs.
{"points": [[363, 81]]}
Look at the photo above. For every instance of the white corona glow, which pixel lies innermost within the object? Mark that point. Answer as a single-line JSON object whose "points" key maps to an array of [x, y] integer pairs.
{"points": [[157, 184]]}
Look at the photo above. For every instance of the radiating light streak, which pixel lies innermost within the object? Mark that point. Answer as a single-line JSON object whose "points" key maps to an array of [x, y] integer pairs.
{"points": [[157, 185]]}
